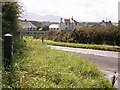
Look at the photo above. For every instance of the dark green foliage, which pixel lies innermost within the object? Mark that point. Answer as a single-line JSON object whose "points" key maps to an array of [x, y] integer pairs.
{"points": [[10, 14], [51, 34], [97, 35], [45, 28], [62, 36], [89, 35]]}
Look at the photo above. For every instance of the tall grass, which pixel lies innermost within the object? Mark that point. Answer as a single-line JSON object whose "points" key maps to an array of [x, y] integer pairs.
{"points": [[87, 46], [42, 67]]}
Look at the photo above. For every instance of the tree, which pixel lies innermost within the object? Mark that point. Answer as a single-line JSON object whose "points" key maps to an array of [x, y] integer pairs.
{"points": [[10, 14], [45, 28], [10, 24]]}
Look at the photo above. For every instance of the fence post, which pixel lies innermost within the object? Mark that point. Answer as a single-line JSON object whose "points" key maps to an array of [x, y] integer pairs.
{"points": [[7, 51]]}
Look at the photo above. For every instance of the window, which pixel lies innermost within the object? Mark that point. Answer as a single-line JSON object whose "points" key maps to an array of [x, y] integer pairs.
{"points": [[34, 33]]}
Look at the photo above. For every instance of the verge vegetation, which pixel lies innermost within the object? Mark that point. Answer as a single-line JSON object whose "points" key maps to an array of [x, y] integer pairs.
{"points": [[86, 46], [109, 35], [39, 66]]}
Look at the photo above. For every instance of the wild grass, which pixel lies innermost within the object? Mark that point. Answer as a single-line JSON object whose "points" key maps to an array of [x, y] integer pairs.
{"points": [[86, 46], [39, 66]]}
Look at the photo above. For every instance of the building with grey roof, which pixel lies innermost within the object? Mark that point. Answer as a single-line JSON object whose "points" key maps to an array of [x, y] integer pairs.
{"points": [[27, 25]]}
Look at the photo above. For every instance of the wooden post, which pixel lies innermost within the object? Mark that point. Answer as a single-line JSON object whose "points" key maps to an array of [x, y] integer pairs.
{"points": [[7, 51], [42, 39]]}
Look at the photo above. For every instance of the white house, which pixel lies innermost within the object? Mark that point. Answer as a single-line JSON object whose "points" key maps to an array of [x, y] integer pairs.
{"points": [[27, 25], [54, 27], [68, 24]]}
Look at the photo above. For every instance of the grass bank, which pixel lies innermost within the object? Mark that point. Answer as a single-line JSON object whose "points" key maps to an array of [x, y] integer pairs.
{"points": [[86, 46], [42, 67]]}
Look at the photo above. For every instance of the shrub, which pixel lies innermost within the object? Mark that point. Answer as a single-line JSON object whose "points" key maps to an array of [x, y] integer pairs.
{"points": [[88, 35]]}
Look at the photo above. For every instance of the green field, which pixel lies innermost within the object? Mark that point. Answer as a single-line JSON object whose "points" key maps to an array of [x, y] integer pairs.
{"points": [[87, 46], [39, 66]]}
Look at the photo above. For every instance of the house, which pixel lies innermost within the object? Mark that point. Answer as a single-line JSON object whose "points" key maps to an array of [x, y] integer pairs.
{"points": [[64, 24], [27, 25], [103, 23], [29, 29], [68, 24], [54, 27]]}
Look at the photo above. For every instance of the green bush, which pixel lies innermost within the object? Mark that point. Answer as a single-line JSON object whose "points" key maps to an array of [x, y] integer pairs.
{"points": [[61, 36], [97, 35], [88, 35]]}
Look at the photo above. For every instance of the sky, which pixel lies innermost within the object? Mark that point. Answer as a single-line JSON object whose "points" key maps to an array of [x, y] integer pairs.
{"points": [[81, 10]]}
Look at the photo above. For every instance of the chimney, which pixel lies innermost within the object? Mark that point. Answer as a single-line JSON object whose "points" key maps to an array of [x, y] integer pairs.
{"points": [[26, 20], [103, 21], [110, 22], [61, 20]]}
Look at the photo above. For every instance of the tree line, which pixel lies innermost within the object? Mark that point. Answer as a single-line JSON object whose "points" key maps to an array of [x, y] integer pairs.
{"points": [[88, 35]]}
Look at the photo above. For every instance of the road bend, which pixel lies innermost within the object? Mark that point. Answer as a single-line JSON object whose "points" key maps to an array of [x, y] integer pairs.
{"points": [[107, 61]]}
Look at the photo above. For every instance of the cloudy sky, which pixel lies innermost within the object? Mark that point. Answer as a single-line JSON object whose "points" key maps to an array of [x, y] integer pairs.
{"points": [[81, 10]]}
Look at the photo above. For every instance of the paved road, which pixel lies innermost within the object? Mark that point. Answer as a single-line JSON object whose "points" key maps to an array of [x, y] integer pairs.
{"points": [[107, 61]]}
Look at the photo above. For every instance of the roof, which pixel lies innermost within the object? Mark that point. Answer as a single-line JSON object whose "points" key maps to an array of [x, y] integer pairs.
{"points": [[54, 26], [27, 24]]}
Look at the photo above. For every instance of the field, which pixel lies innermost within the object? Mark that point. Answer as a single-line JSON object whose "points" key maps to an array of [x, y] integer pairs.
{"points": [[87, 46], [39, 66]]}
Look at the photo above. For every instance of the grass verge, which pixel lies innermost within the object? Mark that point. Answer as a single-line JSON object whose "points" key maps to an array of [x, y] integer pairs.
{"points": [[86, 46], [40, 66]]}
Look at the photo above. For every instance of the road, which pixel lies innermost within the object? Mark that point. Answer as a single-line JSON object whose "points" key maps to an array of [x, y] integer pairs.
{"points": [[107, 61]]}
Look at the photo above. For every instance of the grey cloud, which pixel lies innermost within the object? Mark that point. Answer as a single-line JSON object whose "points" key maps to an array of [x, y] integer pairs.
{"points": [[8, 0]]}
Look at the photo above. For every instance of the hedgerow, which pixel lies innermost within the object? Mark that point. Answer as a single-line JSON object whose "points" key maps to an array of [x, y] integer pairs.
{"points": [[88, 35]]}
